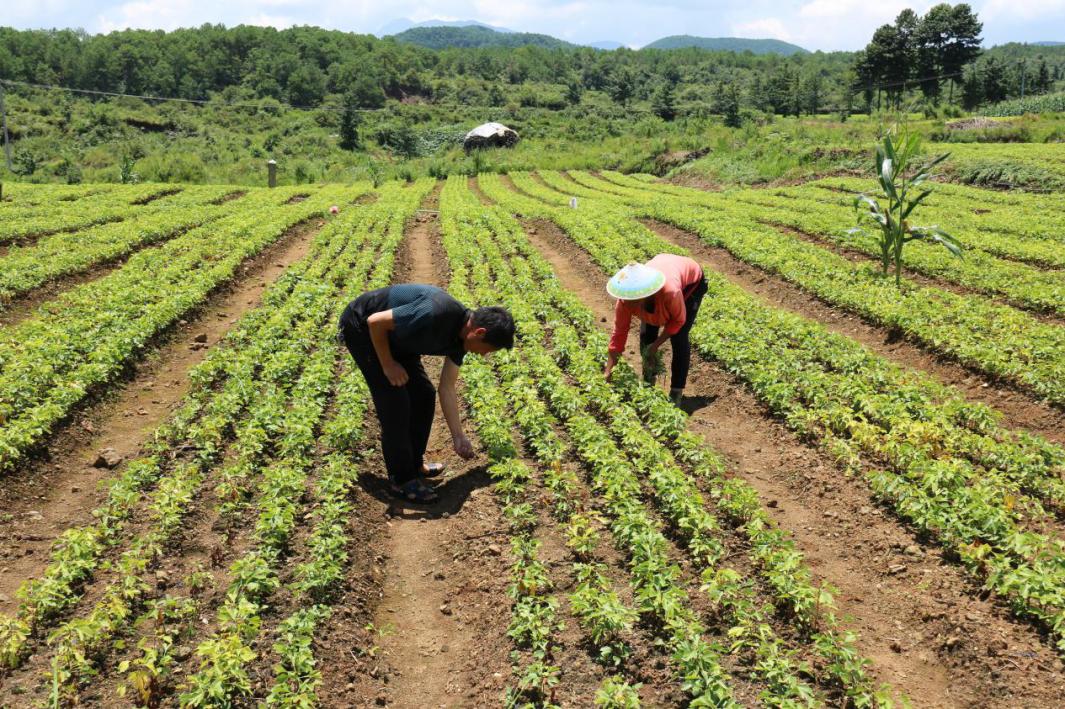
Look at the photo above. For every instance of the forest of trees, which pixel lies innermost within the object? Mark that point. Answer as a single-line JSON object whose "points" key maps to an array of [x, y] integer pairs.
{"points": [[936, 58], [942, 48]]}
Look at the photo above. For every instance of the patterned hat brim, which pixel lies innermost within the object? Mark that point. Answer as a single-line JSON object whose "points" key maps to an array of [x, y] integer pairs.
{"points": [[642, 291]]}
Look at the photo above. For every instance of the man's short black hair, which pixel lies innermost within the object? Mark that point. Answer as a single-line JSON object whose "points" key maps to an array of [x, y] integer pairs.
{"points": [[498, 325]]}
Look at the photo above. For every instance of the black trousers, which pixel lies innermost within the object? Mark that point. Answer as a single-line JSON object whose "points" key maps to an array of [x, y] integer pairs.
{"points": [[681, 344], [405, 413]]}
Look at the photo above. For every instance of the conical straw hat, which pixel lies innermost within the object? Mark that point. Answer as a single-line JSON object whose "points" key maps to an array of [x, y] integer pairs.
{"points": [[635, 281]]}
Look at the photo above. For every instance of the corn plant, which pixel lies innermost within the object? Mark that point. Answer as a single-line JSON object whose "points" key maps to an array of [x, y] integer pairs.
{"points": [[898, 187]]}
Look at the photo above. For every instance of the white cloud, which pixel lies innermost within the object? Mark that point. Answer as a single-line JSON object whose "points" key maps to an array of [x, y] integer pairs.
{"points": [[152, 14], [832, 24], [277, 21], [519, 15], [1023, 10], [767, 27]]}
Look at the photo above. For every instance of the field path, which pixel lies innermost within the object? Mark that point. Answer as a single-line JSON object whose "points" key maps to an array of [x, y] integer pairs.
{"points": [[923, 625], [442, 616], [60, 488]]}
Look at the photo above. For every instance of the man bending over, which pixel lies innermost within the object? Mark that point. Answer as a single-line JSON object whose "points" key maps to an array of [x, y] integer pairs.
{"points": [[387, 331]]}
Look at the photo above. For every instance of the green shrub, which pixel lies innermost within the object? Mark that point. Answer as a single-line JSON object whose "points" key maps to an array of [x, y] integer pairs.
{"points": [[1001, 173], [171, 167]]}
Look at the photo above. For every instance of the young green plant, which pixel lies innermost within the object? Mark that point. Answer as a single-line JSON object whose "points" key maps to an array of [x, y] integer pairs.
{"points": [[898, 188]]}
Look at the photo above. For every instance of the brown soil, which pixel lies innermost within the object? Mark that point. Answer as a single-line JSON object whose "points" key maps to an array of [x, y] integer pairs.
{"points": [[440, 622], [230, 196], [60, 489], [157, 195], [1021, 409], [30, 239], [475, 187], [924, 625]]}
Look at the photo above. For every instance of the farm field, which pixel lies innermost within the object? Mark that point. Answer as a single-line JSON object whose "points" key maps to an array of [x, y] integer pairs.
{"points": [[860, 502]]}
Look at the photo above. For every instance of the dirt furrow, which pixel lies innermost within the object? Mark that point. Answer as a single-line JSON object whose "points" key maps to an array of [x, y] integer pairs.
{"points": [[922, 622], [62, 486], [440, 624]]}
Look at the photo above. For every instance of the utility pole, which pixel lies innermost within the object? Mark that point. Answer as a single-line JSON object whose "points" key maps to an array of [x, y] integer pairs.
{"points": [[7, 138]]}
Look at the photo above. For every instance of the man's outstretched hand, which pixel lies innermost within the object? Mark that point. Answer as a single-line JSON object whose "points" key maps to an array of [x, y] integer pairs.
{"points": [[462, 446]]}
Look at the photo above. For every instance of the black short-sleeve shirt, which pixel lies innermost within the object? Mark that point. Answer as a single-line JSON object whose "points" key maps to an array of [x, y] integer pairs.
{"points": [[428, 321]]}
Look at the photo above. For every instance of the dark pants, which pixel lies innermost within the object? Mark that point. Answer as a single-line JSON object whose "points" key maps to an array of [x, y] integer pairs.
{"points": [[682, 349], [405, 413]]}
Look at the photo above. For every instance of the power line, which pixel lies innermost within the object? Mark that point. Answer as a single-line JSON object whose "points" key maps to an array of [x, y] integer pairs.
{"points": [[231, 104], [919, 80]]}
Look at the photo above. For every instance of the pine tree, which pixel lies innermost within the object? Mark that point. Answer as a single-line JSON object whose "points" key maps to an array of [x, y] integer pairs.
{"points": [[994, 81], [349, 124], [727, 103], [663, 103]]}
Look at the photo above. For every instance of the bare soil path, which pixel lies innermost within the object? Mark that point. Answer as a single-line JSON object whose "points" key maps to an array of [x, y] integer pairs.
{"points": [[921, 620], [61, 487], [442, 618]]}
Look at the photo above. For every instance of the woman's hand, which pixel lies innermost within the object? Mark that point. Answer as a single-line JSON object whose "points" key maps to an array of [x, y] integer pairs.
{"points": [[611, 361]]}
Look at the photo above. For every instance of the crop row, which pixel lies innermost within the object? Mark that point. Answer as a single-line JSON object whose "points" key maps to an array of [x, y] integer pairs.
{"points": [[1048, 155], [222, 677], [222, 390], [1021, 285], [609, 441], [24, 268], [83, 338], [69, 216], [202, 424], [943, 463], [995, 264], [1031, 218], [1025, 232], [635, 532], [20, 195], [535, 610], [265, 353], [997, 340], [606, 620]]}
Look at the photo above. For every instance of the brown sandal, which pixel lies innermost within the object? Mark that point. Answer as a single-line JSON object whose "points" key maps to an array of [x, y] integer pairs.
{"points": [[432, 470], [415, 490]]}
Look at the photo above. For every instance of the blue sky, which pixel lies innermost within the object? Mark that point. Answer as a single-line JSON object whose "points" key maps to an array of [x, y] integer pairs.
{"points": [[815, 24]]}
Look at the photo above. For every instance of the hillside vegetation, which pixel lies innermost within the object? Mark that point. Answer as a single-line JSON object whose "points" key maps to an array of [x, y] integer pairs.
{"points": [[475, 36], [727, 44]]}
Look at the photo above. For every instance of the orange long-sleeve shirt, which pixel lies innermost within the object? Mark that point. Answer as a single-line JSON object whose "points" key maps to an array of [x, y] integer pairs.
{"points": [[682, 275]]}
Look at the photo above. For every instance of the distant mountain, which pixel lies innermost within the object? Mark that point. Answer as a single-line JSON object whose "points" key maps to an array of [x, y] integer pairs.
{"points": [[1049, 44], [403, 24], [606, 44], [475, 36], [727, 44]]}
